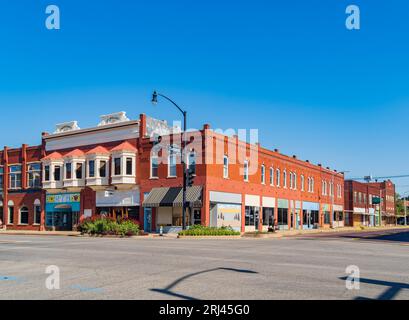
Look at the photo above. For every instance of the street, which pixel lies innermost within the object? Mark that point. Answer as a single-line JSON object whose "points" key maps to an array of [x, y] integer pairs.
{"points": [[303, 267]]}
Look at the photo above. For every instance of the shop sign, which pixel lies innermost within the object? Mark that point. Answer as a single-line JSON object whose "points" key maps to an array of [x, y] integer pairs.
{"points": [[63, 198]]}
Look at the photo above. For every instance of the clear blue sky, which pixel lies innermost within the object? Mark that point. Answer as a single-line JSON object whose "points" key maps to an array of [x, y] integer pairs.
{"points": [[289, 68]]}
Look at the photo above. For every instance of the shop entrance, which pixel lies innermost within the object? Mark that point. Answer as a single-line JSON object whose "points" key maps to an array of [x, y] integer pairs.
{"points": [[62, 218]]}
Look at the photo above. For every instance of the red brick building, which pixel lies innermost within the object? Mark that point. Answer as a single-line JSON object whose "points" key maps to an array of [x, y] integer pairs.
{"points": [[132, 168], [238, 184], [361, 205], [21, 196]]}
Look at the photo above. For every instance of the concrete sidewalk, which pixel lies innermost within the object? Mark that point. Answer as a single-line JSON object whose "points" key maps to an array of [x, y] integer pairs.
{"points": [[279, 234], [40, 233]]}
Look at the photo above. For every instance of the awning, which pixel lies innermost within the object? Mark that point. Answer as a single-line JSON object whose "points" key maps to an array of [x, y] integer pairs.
{"points": [[173, 197], [155, 197], [193, 197]]}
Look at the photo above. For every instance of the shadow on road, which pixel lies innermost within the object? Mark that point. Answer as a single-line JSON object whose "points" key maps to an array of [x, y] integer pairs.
{"points": [[402, 236], [168, 290], [393, 288]]}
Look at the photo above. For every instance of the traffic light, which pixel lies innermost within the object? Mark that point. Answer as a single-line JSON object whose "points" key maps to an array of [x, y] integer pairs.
{"points": [[190, 177]]}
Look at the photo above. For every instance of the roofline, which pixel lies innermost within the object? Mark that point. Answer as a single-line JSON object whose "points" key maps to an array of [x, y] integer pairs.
{"points": [[94, 129]]}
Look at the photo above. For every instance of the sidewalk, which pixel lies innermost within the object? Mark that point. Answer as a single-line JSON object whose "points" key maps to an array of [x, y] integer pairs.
{"points": [[291, 233], [279, 234], [40, 233]]}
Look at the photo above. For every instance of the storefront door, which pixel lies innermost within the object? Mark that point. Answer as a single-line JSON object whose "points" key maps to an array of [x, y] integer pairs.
{"points": [[148, 219]]}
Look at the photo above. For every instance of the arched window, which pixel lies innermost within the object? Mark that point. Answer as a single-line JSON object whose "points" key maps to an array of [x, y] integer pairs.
{"points": [[10, 212], [37, 212], [302, 183], [271, 176], [278, 175], [23, 215], [285, 179], [263, 174], [295, 181]]}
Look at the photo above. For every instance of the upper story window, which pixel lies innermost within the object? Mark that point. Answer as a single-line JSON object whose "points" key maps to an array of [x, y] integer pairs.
{"points": [[263, 174], [91, 168], [339, 191], [324, 188], [47, 173], [1, 177], [34, 175], [246, 170], [78, 171], [57, 173], [68, 170], [15, 177], [302, 183], [225, 167], [129, 166], [291, 180], [331, 189], [355, 196], [294, 181], [103, 168], [312, 185], [192, 162], [271, 176], [154, 166], [359, 197], [172, 172], [278, 177], [364, 198], [285, 179], [117, 166]]}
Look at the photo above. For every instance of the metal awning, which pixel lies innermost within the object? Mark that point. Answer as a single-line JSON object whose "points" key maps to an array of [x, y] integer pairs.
{"points": [[155, 197], [172, 197], [193, 197]]}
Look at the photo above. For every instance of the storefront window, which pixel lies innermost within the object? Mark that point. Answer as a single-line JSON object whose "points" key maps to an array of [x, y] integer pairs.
{"points": [[34, 175], [11, 215], [268, 217], [24, 215], [15, 177], [252, 216], [37, 214], [282, 217], [327, 217]]}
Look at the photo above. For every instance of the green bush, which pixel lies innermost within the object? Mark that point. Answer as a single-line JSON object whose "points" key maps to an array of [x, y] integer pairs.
{"points": [[107, 226], [199, 230]]}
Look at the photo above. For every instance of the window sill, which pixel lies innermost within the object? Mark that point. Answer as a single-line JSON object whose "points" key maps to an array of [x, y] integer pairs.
{"points": [[23, 224], [171, 177], [154, 178]]}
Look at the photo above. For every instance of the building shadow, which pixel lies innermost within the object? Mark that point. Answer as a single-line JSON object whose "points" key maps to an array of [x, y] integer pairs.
{"points": [[391, 291], [168, 290], [402, 236]]}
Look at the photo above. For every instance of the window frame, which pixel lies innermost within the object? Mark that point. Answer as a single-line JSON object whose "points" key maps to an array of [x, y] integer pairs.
{"points": [[263, 174], [15, 174], [30, 172], [225, 167], [19, 216]]}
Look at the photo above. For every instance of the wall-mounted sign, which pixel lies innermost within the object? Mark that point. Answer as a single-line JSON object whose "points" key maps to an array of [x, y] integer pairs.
{"points": [[64, 198]]}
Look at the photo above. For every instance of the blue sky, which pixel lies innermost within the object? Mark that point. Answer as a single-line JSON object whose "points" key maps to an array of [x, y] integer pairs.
{"points": [[289, 68]]}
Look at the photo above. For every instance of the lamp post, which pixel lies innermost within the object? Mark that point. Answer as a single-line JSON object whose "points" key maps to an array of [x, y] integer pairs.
{"points": [[155, 96]]}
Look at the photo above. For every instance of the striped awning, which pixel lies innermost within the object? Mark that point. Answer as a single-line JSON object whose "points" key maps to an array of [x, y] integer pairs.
{"points": [[193, 197], [173, 197], [155, 197]]}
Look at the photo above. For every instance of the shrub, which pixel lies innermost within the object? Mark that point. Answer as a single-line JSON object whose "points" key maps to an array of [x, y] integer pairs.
{"points": [[107, 226], [199, 230]]}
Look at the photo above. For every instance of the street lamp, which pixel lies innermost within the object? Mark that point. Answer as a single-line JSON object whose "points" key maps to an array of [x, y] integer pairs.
{"points": [[155, 96]]}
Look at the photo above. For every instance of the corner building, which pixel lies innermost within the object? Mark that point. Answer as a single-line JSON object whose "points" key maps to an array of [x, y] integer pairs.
{"points": [[236, 184]]}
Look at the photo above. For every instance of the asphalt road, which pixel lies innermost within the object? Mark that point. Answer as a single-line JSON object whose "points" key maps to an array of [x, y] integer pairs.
{"points": [[307, 267]]}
